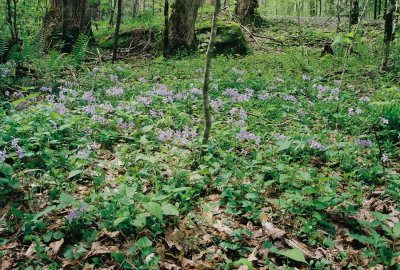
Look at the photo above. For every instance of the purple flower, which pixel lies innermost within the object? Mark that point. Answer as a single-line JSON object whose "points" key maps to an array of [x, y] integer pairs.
{"points": [[84, 153], [3, 155], [166, 135], [74, 214], [106, 107], [385, 158], [316, 145], [306, 78], [236, 71], [95, 146], [89, 109], [364, 143], [279, 79], [60, 108], [217, 104], [359, 111], [142, 80], [20, 152], [115, 91], [15, 142], [88, 96], [351, 111], [98, 118], [145, 100], [365, 99], [289, 98], [46, 89], [243, 135], [384, 121]]}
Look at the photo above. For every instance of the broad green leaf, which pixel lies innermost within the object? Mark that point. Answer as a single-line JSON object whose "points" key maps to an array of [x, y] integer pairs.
{"points": [[147, 128], [74, 173], [6, 169], [144, 242], [294, 254], [169, 210], [139, 221], [154, 209], [396, 229], [66, 199], [119, 220], [283, 145]]}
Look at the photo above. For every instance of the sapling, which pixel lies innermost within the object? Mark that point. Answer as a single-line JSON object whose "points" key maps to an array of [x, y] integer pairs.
{"points": [[206, 86]]}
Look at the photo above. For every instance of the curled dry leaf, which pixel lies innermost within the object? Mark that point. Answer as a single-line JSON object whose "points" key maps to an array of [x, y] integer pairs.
{"points": [[222, 228], [55, 247], [272, 231], [109, 234], [30, 250], [5, 264]]}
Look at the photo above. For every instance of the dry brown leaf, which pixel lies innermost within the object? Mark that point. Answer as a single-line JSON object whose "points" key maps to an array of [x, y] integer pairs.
{"points": [[222, 228], [109, 234], [175, 238], [10, 245], [88, 267], [243, 267], [98, 249], [271, 230], [55, 247], [5, 264], [30, 250], [196, 257]]}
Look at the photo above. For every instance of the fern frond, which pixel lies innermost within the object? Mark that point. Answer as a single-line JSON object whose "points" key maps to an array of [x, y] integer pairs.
{"points": [[79, 49]]}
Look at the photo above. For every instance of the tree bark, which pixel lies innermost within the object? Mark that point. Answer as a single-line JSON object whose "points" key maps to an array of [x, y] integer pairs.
{"points": [[206, 86], [389, 33], [117, 27], [246, 10], [182, 25], [354, 12], [166, 28], [65, 21]]}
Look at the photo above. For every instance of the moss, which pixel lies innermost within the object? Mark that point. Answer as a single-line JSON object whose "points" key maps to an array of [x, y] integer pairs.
{"points": [[230, 38], [127, 38]]}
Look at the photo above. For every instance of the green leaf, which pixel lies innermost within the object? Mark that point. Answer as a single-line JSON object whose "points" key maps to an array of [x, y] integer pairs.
{"points": [[144, 242], [147, 128], [169, 210], [119, 220], [154, 209], [294, 254], [283, 145], [396, 229], [66, 199], [6, 169], [139, 221], [74, 173]]}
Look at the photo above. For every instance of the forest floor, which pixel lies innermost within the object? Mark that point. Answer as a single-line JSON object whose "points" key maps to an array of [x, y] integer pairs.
{"points": [[102, 169]]}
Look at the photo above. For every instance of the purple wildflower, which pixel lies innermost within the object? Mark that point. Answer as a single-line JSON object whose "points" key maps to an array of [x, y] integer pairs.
{"points": [[243, 135], [385, 158], [15, 142], [20, 152], [316, 145], [364, 143], [365, 99], [89, 109], [115, 91], [89, 97], [384, 121], [142, 80], [3, 155], [74, 214], [280, 136], [60, 108]]}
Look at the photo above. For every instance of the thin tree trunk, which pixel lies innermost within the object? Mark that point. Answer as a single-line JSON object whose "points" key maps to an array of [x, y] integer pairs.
{"points": [[15, 22], [206, 86], [354, 12], [117, 26], [111, 22], [389, 20], [10, 22], [166, 28], [375, 9]]}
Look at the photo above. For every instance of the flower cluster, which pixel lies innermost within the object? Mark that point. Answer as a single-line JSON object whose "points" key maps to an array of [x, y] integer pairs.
{"points": [[364, 143], [243, 135], [178, 136], [316, 145]]}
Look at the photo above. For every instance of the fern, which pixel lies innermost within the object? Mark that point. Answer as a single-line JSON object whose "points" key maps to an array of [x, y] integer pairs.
{"points": [[79, 50]]}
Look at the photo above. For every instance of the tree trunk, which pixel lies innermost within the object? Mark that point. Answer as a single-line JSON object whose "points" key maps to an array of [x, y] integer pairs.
{"points": [[117, 27], [246, 10], [166, 28], [65, 21], [95, 10], [207, 70], [354, 12], [182, 25], [389, 34], [375, 9]]}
